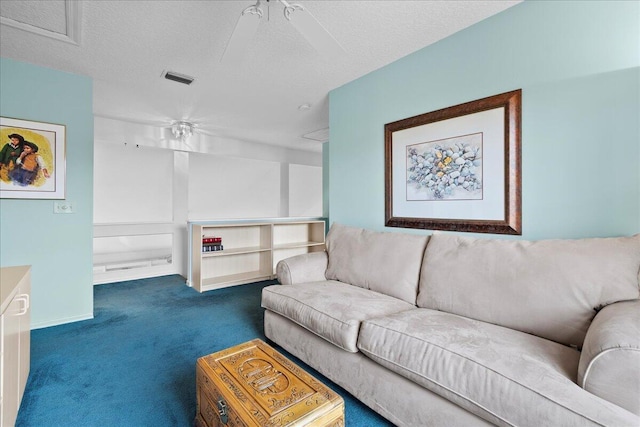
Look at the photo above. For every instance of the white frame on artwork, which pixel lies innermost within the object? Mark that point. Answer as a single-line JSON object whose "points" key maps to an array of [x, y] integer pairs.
{"points": [[50, 139]]}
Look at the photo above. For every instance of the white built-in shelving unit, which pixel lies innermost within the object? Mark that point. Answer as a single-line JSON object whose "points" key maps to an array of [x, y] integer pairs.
{"points": [[251, 249]]}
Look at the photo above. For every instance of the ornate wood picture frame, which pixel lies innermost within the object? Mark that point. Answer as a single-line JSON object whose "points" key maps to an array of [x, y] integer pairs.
{"points": [[457, 169]]}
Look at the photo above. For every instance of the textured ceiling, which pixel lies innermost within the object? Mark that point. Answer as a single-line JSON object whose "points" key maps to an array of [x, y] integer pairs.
{"points": [[126, 45]]}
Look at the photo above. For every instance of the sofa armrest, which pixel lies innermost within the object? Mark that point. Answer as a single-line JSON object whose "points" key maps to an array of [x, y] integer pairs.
{"points": [[610, 360], [302, 268]]}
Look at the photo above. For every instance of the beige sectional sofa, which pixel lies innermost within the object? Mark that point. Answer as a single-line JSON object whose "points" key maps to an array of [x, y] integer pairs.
{"points": [[456, 331]]}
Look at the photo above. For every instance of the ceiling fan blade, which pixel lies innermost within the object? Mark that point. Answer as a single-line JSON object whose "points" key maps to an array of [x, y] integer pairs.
{"points": [[315, 33], [241, 38]]}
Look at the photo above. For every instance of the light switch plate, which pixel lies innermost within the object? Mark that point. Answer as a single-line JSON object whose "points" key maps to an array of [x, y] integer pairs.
{"points": [[63, 207]]}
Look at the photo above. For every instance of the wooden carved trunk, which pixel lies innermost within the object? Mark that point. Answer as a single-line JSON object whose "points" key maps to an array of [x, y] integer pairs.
{"points": [[251, 384]]}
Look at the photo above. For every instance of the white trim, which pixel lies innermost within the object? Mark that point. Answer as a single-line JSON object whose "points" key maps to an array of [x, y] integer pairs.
{"points": [[73, 11], [110, 229], [74, 20], [144, 272], [592, 362], [62, 321]]}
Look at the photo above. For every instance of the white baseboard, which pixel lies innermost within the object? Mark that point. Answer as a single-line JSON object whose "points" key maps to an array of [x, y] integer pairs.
{"points": [[133, 274], [62, 321]]}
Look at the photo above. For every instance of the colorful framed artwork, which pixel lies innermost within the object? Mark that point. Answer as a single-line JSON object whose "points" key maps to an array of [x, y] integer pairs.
{"points": [[457, 169], [32, 159]]}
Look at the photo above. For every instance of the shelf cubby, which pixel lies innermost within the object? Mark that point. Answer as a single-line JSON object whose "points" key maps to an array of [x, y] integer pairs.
{"points": [[250, 251]]}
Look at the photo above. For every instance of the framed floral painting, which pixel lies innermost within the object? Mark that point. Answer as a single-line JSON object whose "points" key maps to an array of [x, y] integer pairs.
{"points": [[32, 159], [457, 168]]}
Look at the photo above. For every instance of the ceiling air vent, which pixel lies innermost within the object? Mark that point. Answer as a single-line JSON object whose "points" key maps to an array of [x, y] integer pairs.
{"points": [[180, 78]]}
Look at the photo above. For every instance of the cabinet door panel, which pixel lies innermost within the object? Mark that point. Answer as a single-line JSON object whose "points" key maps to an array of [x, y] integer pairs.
{"points": [[25, 333], [11, 362]]}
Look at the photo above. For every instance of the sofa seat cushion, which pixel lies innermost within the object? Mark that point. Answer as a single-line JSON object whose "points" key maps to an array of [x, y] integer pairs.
{"points": [[330, 309], [549, 288], [502, 375], [384, 262]]}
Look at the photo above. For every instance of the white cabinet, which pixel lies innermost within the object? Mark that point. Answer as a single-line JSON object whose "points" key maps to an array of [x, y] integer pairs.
{"points": [[250, 249], [15, 332]]}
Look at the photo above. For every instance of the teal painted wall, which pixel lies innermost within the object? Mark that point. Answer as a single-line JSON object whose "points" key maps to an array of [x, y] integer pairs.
{"points": [[325, 180], [577, 64], [57, 246]]}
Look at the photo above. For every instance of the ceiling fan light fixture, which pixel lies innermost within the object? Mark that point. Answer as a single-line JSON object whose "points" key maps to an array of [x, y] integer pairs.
{"points": [[312, 30], [182, 130], [290, 8], [254, 10], [306, 24]]}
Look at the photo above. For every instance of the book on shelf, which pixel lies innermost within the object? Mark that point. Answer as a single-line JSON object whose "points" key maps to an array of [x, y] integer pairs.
{"points": [[211, 243], [212, 248], [211, 240]]}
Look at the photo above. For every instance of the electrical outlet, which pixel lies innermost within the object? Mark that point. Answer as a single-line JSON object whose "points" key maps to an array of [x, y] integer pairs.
{"points": [[63, 207]]}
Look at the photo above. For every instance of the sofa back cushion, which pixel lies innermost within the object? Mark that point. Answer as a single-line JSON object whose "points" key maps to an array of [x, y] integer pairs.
{"points": [[549, 288], [384, 262]]}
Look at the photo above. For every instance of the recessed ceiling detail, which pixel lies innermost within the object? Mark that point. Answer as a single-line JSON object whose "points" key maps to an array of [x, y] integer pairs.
{"points": [[59, 20], [320, 135]]}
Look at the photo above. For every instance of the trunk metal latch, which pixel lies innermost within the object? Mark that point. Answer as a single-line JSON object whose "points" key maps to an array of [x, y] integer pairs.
{"points": [[222, 411]]}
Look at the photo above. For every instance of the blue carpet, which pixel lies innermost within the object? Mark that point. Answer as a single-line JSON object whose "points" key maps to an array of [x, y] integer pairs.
{"points": [[134, 363]]}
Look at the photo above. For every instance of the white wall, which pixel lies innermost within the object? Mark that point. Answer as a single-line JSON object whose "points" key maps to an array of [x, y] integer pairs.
{"points": [[129, 181], [305, 184], [222, 187], [147, 186]]}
